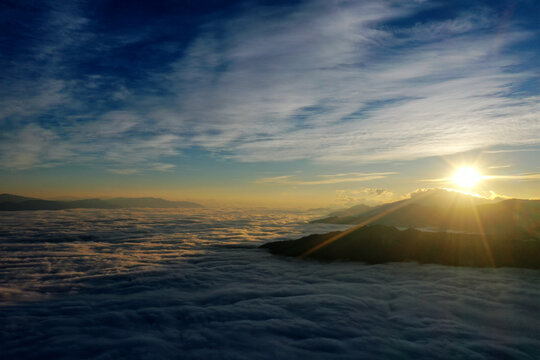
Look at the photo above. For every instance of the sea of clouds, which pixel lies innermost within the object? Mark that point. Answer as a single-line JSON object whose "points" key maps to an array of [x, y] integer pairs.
{"points": [[177, 284]]}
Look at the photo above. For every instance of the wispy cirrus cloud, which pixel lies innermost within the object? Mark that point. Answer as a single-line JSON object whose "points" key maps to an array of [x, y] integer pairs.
{"points": [[521, 177], [351, 82], [367, 196], [524, 177], [123, 171], [361, 91], [32, 146], [325, 179]]}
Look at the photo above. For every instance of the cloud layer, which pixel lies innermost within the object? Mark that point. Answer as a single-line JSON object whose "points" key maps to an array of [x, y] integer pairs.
{"points": [[176, 285], [325, 81]]}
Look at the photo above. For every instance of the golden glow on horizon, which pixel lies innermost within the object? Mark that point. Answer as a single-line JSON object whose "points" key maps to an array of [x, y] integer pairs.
{"points": [[466, 177], [465, 218]]}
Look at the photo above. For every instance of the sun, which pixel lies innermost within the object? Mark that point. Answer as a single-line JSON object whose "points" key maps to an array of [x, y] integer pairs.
{"points": [[466, 177]]}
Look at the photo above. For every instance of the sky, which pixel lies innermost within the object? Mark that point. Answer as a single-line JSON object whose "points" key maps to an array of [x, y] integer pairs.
{"points": [[297, 103]]}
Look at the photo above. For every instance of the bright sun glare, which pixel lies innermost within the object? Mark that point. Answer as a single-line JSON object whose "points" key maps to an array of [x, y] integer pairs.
{"points": [[466, 177]]}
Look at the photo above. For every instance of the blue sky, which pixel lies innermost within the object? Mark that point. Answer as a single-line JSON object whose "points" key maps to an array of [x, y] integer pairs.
{"points": [[304, 98]]}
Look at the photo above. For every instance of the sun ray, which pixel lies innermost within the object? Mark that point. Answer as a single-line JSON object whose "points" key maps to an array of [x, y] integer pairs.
{"points": [[364, 223], [483, 235]]}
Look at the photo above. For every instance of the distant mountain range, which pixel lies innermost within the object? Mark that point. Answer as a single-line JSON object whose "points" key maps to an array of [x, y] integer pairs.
{"points": [[352, 211], [433, 226], [10, 202], [441, 210], [377, 244]]}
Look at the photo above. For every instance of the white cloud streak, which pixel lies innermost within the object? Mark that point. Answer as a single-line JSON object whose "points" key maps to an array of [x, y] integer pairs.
{"points": [[313, 85], [325, 179], [523, 177], [323, 81]]}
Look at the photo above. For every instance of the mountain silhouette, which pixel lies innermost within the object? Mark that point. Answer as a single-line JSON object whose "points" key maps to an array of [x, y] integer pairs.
{"points": [[14, 198], [352, 211], [9, 202], [442, 210], [377, 244]]}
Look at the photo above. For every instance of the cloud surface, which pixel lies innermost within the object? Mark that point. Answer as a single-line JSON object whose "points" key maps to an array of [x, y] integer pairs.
{"points": [[177, 284]]}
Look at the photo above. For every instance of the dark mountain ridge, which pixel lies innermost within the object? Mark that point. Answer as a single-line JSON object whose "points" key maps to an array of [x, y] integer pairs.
{"points": [[463, 214], [377, 244], [14, 198], [463, 231], [10, 202]]}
